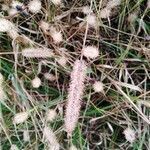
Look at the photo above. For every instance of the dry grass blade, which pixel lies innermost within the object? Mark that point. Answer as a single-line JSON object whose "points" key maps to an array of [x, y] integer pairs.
{"points": [[132, 103], [130, 86], [44, 43]]}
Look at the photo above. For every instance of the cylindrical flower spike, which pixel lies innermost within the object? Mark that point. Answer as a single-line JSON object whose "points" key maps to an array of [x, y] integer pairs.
{"points": [[74, 96]]}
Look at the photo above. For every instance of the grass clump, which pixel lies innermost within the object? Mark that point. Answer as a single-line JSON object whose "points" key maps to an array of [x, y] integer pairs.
{"points": [[76, 66]]}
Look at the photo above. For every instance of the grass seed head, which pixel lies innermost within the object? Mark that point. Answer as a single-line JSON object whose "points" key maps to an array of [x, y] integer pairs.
{"points": [[12, 12], [54, 147], [91, 20], [113, 3], [34, 6], [20, 117], [90, 52], [13, 34], [50, 138], [72, 147], [5, 25], [50, 76], [56, 35], [62, 61], [74, 96], [98, 86], [14, 147], [86, 10], [51, 115], [105, 13], [36, 82], [44, 26], [37, 53], [129, 134]]}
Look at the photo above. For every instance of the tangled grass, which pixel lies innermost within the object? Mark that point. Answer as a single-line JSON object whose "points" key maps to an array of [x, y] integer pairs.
{"points": [[39, 42]]}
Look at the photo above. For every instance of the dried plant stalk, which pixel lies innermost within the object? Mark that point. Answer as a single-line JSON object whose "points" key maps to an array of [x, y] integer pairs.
{"points": [[74, 96], [37, 53]]}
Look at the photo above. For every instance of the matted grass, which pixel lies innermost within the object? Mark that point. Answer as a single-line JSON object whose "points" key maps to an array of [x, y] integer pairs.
{"points": [[122, 66]]}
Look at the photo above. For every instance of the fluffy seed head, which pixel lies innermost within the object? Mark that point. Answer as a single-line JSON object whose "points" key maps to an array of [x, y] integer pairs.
{"points": [[57, 2], [13, 34], [57, 36], [91, 20], [86, 10], [20, 117], [36, 53], [51, 115], [129, 134], [26, 136], [14, 147], [50, 76], [54, 147], [44, 26], [90, 52], [12, 11], [62, 61], [72, 147], [113, 3], [36, 82], [105, 13], [148, 3], [34, 6], [74, 96], [50, 138], [5, 25], [98, 86]]}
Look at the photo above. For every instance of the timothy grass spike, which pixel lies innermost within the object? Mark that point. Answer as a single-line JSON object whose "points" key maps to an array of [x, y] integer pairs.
{"points": [[36, 53], [74, 96]]}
